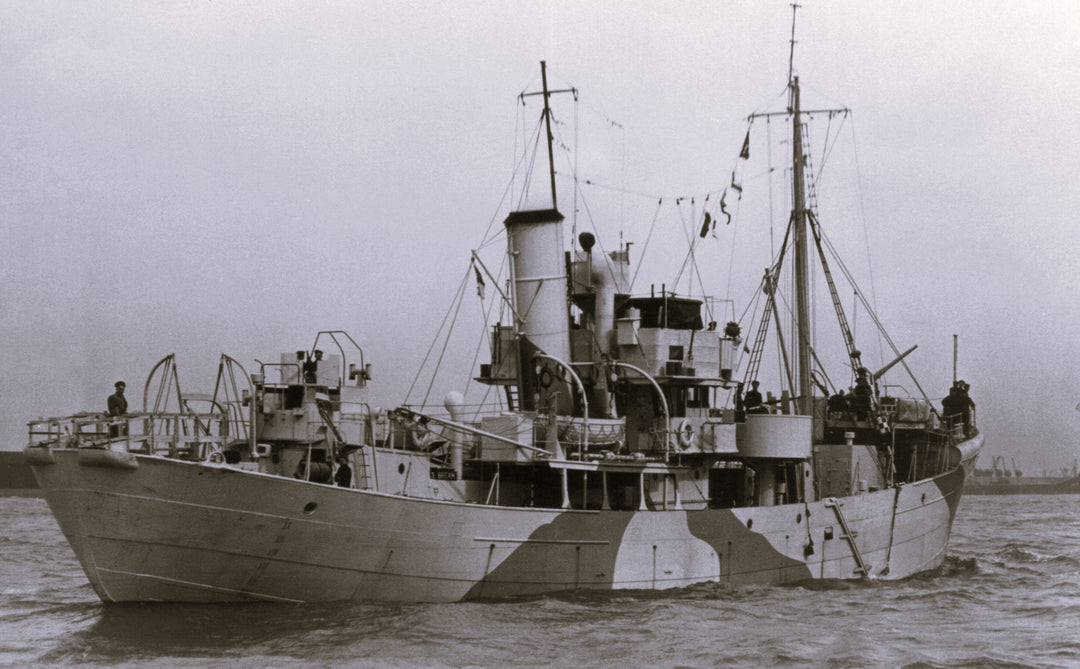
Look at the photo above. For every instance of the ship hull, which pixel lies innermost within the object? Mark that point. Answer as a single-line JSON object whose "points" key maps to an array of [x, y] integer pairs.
{"points": [[169, 530]]}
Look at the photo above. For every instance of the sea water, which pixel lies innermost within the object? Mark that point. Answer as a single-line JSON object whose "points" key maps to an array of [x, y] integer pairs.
{"points": [[1007, 596]]}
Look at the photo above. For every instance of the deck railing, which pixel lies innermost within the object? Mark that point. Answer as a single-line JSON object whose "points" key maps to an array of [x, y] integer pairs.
{"points": [[187, 435]]}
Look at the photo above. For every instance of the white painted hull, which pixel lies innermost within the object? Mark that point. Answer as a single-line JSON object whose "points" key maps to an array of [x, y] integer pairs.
{"points": [[178, 531]]}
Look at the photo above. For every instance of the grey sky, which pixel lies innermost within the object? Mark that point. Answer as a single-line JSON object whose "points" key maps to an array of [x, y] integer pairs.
{"points": [[208, 176]]}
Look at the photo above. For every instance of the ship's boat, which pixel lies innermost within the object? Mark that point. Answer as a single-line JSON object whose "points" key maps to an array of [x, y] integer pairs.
{"points": [[627, 450]]}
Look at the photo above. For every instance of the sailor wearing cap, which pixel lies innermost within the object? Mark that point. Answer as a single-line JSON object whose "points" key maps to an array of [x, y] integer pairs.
{"points": [[118, 407], [117, 401]]}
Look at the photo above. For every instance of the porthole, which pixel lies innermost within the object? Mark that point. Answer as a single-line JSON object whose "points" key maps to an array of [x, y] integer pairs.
{"points": [[924, 498], [310, 507], [401, 468], [749, 523], [798, 518]]}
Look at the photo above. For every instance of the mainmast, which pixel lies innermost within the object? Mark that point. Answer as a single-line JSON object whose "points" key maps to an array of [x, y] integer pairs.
{"points": [[547, 126], [547, 93], [538, 273], [799, 228]]}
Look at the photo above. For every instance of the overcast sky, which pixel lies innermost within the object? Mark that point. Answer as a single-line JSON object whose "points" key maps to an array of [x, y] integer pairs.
{"points": [[206, 177]]}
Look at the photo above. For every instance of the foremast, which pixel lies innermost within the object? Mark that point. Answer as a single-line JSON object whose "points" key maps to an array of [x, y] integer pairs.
{"points": [[802, 224], [802, 259]]}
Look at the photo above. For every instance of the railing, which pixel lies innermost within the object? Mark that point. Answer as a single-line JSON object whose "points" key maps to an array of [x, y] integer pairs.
{"points": [[188, 436]]}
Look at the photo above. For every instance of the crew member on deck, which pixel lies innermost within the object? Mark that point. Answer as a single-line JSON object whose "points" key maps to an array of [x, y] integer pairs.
{"points": [[343, 477], [838, 402], [118, 407], [965, 405], [752, 399], [950, 406], [864, 401], [117, 401]]}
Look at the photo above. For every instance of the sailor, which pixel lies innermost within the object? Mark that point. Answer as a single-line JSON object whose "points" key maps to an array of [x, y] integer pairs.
{"points": [[752, 399], [838, 402], [863, 395], [965, 404], [117, 402], [118, 407], [950, 407], [343, 476]]}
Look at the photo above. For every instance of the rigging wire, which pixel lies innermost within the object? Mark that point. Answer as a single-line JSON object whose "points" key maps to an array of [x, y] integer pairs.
{"points": [[446, 341], [652, 226], [577, 153], [588, 217], [872, 313], [486, 239], [480, 345], [615, 189], [691, 260], [519, 123], [528, 177], [827, 150], [457, 298], [599, 241], [862, 216], [688, 258]]}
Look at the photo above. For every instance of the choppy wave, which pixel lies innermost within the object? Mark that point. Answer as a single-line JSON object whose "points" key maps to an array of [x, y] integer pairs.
{"points": [[1007, 595]]}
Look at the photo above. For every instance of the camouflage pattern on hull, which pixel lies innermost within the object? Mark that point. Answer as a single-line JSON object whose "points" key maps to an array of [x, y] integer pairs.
{"points": [[178, 531]]}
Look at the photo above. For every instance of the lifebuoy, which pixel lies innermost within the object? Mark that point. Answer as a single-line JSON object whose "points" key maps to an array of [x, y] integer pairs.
{"points": [[546, 377], [686, 434], [216, 458]]}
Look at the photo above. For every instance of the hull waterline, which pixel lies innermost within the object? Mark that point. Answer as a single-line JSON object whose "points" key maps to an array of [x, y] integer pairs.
{"points": [[178, 531]]}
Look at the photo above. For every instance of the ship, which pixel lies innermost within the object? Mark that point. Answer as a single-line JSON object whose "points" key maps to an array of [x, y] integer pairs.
{"points": [[625, 450], [1003, 479], [16, 479]]}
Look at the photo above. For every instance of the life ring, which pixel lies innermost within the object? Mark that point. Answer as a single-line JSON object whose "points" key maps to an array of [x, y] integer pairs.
{"points": [[216, 458], [686, 434], [546, 378]]}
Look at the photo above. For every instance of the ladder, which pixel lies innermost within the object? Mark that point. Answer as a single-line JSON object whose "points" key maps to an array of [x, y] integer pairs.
{"points": [[862, 567], [758, 349], [511, 397], [811, 188], [845, 329]]}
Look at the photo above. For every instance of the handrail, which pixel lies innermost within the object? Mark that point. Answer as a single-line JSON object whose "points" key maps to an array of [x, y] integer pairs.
{"points": [[468, 428], [341, 349], [583, 446], [264, 365], [140, 432], [168, 374], [493, 488], [663, 401], [227, 378]]}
